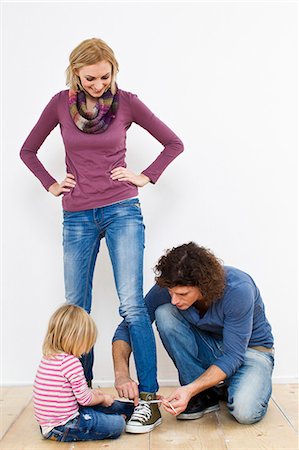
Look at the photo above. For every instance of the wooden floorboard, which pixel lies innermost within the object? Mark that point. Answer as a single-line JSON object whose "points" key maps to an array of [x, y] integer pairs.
{"points": [[273, 432], [12, 401], [286, 398], [187, 434], [215, 431]]}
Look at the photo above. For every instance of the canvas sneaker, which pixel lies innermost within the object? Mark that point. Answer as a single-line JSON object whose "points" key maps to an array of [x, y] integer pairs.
{"points": [[146, 415], [221, 390], [202, 403]]}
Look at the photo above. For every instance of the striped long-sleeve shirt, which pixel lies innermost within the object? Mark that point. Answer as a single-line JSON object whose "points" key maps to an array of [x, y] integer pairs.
{"points": [[59, 387]]}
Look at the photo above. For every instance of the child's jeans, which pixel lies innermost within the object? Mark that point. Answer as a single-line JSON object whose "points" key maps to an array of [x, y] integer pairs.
{"points": [[93, 423]]}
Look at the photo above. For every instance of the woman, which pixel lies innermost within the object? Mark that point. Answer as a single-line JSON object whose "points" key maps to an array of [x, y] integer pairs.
{"points": [[100, 194]]}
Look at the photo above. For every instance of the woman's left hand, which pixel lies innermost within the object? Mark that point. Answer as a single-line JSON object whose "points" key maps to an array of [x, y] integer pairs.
{"points": [[124, 174]]}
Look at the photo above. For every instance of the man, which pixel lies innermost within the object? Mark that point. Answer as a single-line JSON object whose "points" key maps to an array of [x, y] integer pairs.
{"points": [[211, 320]]}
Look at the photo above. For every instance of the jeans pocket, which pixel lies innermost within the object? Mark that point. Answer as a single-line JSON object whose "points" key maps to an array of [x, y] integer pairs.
{"points": [[61, 432], [54, 435], [265, 356], [129, 202], [128, 208], [78, 215]]}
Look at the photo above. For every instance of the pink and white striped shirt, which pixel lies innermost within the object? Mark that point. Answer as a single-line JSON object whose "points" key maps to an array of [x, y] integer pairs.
{"points": [[59, 387]]}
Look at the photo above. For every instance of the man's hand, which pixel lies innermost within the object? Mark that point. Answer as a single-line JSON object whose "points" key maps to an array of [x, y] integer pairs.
{"points": [[179, 399], [127, 388]]}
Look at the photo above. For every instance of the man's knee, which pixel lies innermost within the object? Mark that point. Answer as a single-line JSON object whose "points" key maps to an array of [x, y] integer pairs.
{"points": [[247, 411], [167, 317]]}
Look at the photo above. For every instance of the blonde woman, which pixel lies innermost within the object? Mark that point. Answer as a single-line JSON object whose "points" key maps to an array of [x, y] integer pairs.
{"points": [[100, 198], [64, 406]]}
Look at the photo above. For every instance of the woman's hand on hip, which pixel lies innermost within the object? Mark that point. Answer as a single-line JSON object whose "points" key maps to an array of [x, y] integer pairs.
{"points": [[65, 186], [124, 174]]}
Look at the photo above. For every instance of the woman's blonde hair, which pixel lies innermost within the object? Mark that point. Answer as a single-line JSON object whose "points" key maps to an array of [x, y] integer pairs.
{"points": [[71, 330], [90, 51]]}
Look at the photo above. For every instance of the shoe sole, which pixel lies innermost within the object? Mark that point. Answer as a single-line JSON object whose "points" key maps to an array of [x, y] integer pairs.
{"points": [[193, 416], [142, 428]]}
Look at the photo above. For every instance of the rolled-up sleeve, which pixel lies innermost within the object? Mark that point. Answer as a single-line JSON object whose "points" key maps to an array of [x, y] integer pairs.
{"points": [[237, 328]]}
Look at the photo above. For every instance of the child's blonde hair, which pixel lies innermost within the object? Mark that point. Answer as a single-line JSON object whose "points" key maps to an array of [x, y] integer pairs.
{"points": [[71, 330]]}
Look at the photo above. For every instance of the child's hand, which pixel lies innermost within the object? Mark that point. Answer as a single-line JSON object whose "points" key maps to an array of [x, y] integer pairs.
{"points": [[108, 400], [99, 398]]}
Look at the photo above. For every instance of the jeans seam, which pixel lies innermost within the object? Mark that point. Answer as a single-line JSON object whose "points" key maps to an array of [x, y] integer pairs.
{"points": [[128, 201], [269, 357], [100, 212], [88, 273]]}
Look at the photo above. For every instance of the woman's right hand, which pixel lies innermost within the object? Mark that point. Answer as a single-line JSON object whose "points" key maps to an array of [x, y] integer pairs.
{"points": [[60, 188]]}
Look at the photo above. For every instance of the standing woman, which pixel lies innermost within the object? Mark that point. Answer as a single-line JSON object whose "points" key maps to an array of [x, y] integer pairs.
{"points": [[100, 197]]}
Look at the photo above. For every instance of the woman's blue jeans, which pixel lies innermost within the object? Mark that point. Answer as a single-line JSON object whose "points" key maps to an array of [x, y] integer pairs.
{"points": [[193, 351], [93, 423], [122, 226]]}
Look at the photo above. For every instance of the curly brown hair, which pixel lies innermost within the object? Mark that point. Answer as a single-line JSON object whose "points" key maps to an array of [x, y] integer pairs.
{"points": [[192, 265]]}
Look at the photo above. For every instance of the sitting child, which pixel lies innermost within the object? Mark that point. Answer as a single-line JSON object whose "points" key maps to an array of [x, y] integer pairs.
{"points": [[65, 407]]}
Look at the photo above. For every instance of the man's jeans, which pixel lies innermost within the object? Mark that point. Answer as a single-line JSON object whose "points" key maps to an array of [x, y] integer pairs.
{"points": [[93, 423], [193, 351], [122, 226]]}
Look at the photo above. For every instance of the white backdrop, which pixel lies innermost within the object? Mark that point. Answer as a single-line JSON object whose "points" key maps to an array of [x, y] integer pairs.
{"points": [[224, 77]]}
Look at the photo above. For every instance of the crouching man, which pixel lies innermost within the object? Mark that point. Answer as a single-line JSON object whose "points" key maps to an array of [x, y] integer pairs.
{"points": [[211, 320]]}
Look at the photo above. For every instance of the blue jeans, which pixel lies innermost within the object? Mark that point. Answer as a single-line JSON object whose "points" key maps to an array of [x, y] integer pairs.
{"points": [[122, 226], [193, 351], [93, 423]]}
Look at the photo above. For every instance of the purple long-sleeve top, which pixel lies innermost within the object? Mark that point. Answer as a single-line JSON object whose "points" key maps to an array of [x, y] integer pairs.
{"points": [[91, 157]]}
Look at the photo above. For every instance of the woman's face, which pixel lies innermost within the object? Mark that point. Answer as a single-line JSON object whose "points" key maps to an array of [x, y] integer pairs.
{"points": [[96, 78]]}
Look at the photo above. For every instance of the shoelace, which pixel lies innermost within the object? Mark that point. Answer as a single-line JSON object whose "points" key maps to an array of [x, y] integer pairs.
{"points": [[152, 401], [142, 412]]}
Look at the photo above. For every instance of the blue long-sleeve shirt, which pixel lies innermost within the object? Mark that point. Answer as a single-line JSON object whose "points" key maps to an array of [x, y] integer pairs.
{"points": [[238, 318]]}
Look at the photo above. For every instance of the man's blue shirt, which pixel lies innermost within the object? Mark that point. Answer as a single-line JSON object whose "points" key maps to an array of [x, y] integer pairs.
{"points": [[237, 318]]}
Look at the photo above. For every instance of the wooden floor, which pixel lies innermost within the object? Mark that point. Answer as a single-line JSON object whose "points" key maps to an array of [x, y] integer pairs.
{"points": [[215, 431]]}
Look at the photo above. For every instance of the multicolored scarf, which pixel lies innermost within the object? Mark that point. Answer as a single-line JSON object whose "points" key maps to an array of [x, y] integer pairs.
{"points": [[97, 121]]}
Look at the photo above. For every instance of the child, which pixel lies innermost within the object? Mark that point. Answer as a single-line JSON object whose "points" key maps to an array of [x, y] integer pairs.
{"points": [[65, 408]]}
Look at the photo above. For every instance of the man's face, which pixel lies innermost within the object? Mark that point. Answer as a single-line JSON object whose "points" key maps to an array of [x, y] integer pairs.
{"points": [[184, 296]]}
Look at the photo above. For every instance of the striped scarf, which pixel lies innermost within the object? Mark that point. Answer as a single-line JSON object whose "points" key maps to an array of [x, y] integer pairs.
{"points": [[99, 119]]}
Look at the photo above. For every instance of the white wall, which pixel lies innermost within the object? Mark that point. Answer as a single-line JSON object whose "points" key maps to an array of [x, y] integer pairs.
{"points": [[224, 77]]}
